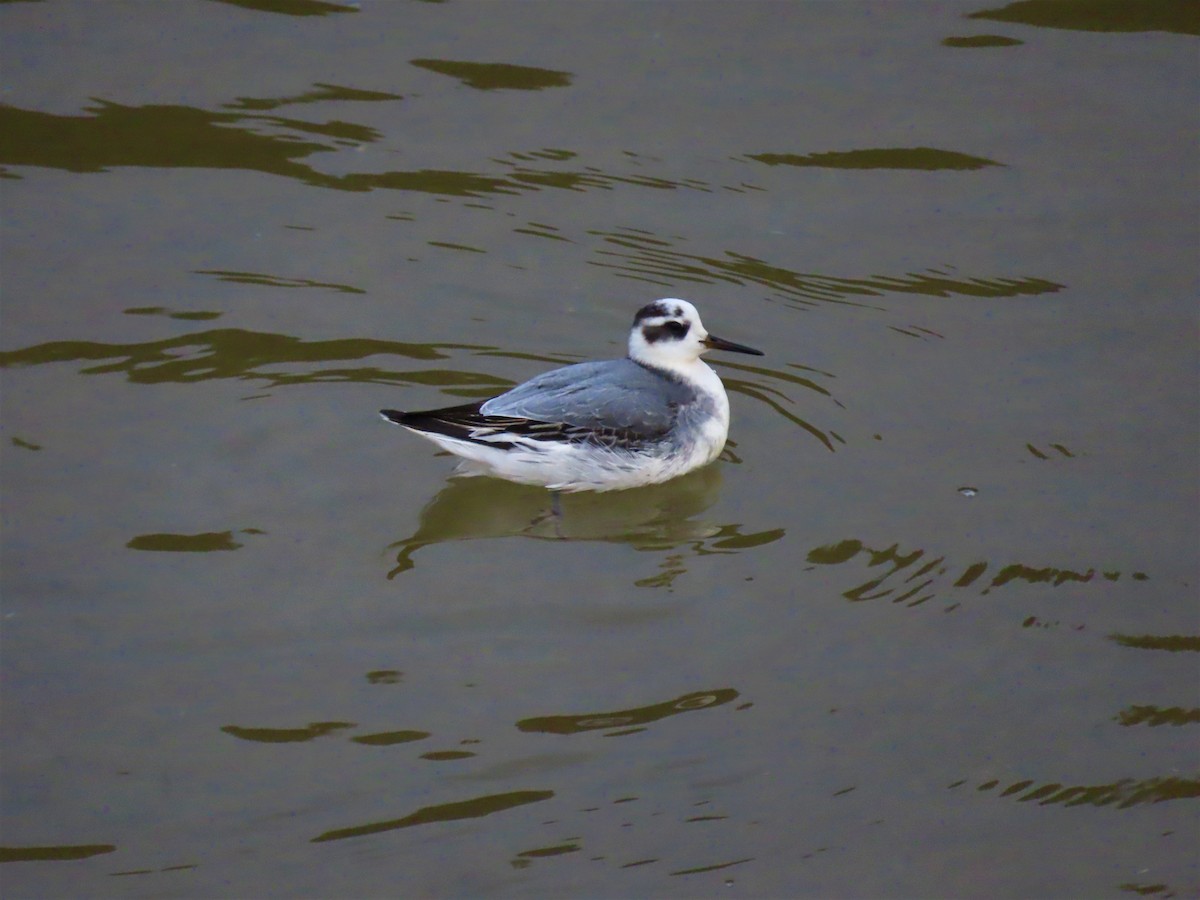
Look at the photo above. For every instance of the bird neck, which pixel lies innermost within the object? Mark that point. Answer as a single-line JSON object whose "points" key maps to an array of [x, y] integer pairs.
{"points": [[694, 372]]}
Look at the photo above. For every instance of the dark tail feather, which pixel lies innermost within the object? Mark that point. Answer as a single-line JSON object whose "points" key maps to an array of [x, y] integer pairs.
{"points": [[453, 421], [458, 422], [394, 415]]}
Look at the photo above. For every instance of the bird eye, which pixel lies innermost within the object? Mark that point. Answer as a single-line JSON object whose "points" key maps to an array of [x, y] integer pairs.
{"points": [[675, 329]]}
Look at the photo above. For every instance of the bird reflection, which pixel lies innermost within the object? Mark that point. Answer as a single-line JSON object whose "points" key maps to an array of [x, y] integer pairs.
{"points": [[657, 518]]}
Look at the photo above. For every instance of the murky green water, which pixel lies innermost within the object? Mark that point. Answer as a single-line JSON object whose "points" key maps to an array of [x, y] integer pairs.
{"points": [[929, 628]]}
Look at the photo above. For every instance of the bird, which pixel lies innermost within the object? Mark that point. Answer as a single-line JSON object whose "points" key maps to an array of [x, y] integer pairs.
{"points": [[599, 426]]}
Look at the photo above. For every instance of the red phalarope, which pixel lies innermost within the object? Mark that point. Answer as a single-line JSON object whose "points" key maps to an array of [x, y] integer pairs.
{"points": [[599, 426]]}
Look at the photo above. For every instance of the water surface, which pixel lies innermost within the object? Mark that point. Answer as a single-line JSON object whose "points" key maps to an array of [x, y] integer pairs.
{"points": [[928, 628]]}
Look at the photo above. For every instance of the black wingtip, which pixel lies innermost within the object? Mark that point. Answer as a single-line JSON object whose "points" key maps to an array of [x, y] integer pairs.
{"points": [[393, 415]]}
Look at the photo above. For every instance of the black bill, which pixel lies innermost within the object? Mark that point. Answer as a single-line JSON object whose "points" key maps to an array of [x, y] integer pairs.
{"points": [[712, 342]]}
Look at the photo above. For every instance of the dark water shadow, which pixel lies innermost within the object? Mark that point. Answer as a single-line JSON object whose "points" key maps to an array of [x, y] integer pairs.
{"points": [[293, 7], [185, 867], [523, 858], [627, 721], [980, 41], [242, 135], [62, 853], [183, 315], [474, 808], [113, 135], [665, 519], [277, 281], [496, 76], [914, 577], [302, 734], [1172, 643], [1123, 793], [313, 730], [1175, 16], [391, 738], [1156, 716], [250, 355], [926, 159], [165, 136], [323, 93], [205, 542]]}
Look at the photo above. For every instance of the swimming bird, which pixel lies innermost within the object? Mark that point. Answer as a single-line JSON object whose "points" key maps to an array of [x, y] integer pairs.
{"points": [[599, 426]]}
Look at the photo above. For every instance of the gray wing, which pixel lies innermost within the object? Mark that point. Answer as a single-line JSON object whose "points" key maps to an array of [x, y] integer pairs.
{"points": [[615, 394]]}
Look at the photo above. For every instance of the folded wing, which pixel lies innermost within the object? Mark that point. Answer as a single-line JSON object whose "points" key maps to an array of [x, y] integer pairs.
{"points": [[614, 395]]}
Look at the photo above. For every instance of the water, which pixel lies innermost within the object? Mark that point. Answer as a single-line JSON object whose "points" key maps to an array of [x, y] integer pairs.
{"points": [[929, 628]]}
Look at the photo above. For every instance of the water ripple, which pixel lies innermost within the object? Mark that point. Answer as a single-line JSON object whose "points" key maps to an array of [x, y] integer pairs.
{"points": [[654, 260]]}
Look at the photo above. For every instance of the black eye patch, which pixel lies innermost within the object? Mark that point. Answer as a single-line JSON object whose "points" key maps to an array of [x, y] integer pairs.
{"points": [[667, 331]]}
